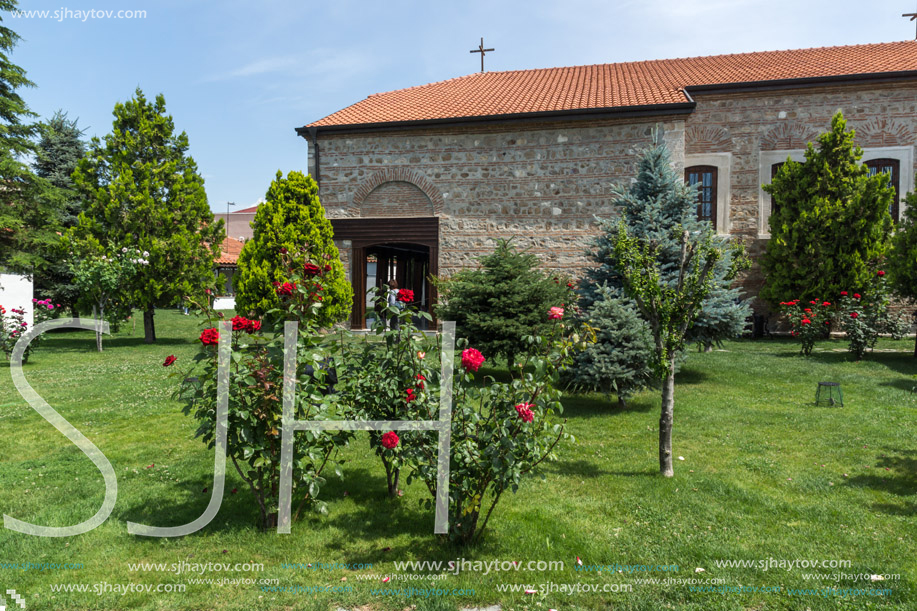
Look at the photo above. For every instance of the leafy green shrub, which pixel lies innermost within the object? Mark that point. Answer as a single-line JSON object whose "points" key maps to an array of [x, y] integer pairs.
{"points": [[290, 218], [496, 306], [902, 264], [255, 397], [830, 225]]}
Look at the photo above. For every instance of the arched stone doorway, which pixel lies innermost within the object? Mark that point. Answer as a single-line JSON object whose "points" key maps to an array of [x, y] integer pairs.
{"points": [[381, 249]]}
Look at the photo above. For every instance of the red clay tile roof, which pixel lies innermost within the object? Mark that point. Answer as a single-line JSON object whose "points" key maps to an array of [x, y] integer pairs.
{"points": [[229, 252], [615, 85], [247, 210]]}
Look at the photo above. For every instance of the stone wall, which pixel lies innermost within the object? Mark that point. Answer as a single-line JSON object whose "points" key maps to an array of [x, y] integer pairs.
{"points": [[541, 184]]}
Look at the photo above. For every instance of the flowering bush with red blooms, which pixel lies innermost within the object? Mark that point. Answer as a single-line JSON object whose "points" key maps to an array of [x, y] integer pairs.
{"points": [[810, 321], [255, 397], [864, 319], [390, 440], [405, 295], [501, 432], [14, 326], [472, 359], [384, 377]]}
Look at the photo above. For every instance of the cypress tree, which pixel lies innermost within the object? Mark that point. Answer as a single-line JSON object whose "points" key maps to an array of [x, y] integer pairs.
{"points": [[831, 225], [290, 218]]}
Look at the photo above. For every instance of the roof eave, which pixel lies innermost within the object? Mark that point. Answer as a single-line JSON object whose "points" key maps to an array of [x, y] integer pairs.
{"points": [[801, 83], [677, 108]]}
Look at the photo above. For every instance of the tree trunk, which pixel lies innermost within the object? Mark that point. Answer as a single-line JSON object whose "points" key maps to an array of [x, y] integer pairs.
{"points": [[392, 475], [149, 326], [622, 402], [708, 347], [98, 319], [665, 422]]}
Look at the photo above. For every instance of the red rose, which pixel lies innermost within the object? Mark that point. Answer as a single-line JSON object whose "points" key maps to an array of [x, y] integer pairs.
{"points": [[405, 295], [410, 395], [169, 360], [472, 359], [854, 315], [525, 412], [283, 250], [310, 269], [420, 380], [813, 302], [856, 295], [286, 289], [807, 310], [843, 293], [210, 337], [239, 323], [881, 273], [327, 268], [806, 321], [826, 304], [254, 326], [390, 440]]}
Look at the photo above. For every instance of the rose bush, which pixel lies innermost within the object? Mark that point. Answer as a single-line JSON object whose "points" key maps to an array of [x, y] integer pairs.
{"points": [[810, 321], [13, 326], [255, 396], [865, 317]]}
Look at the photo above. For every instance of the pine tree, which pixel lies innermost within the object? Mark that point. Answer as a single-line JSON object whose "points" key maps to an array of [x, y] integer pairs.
{"points": [[496, 306], [28, 228], [831, 225], [290, 218], [649, 211], [618, 361], [143, 191], [902, 264], [60, 149]]}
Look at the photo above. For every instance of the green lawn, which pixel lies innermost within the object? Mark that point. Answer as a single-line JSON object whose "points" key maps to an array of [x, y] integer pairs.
{"points": [[765, 475]]}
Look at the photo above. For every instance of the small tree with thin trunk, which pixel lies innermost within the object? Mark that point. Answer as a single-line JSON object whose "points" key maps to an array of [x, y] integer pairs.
{"points": [[670, 310]]}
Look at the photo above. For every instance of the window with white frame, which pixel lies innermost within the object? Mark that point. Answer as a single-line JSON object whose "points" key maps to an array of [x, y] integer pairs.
{"points": [[711, 172]]}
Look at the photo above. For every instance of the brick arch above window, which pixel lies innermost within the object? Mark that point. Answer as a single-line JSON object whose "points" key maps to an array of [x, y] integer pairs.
{"points": [[398, 175], [788, 135], [707, 139], [880, 132]]}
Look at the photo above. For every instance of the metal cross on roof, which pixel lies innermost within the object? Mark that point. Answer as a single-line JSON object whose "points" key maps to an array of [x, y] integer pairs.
{"points": [[913, 17], [482, 51]]}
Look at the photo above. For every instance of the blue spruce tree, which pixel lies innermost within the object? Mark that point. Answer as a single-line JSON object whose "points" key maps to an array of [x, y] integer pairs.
{"points": [[650, 209]]}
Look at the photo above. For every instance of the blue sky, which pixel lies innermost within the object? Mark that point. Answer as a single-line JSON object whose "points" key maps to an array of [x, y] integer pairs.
{"points": [[239, 77]]}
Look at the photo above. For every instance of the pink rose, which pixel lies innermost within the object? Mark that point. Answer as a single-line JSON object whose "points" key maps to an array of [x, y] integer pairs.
{"points": [[390, 440], [525, 412], [555, 313]]}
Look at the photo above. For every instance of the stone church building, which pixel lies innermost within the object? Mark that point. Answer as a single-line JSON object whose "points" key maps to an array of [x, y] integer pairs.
{"points": [[421, 181]]}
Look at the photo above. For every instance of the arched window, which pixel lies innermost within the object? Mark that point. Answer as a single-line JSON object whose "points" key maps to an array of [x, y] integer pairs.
{"points": [[705, 176], [890, 167]]}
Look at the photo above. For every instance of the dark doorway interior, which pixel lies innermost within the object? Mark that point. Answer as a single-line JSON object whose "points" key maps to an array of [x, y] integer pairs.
{"points": [[407, 263], [406, 249]]}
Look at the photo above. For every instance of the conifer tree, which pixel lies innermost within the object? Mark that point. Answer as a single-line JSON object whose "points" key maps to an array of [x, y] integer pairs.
{"points": [[60, 149], [28, 218], [292, 219], [497, 305], [618, 361], [142, 190], [667, 263], [830, 227]]}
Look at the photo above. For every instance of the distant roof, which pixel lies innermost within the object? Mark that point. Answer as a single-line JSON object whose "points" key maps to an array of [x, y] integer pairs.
{"points": [[229, 251], [246, 210], [616, 86]]}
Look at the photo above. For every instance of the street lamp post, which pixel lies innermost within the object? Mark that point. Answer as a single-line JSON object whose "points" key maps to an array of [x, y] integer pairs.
{"points": [[228, 204]]}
